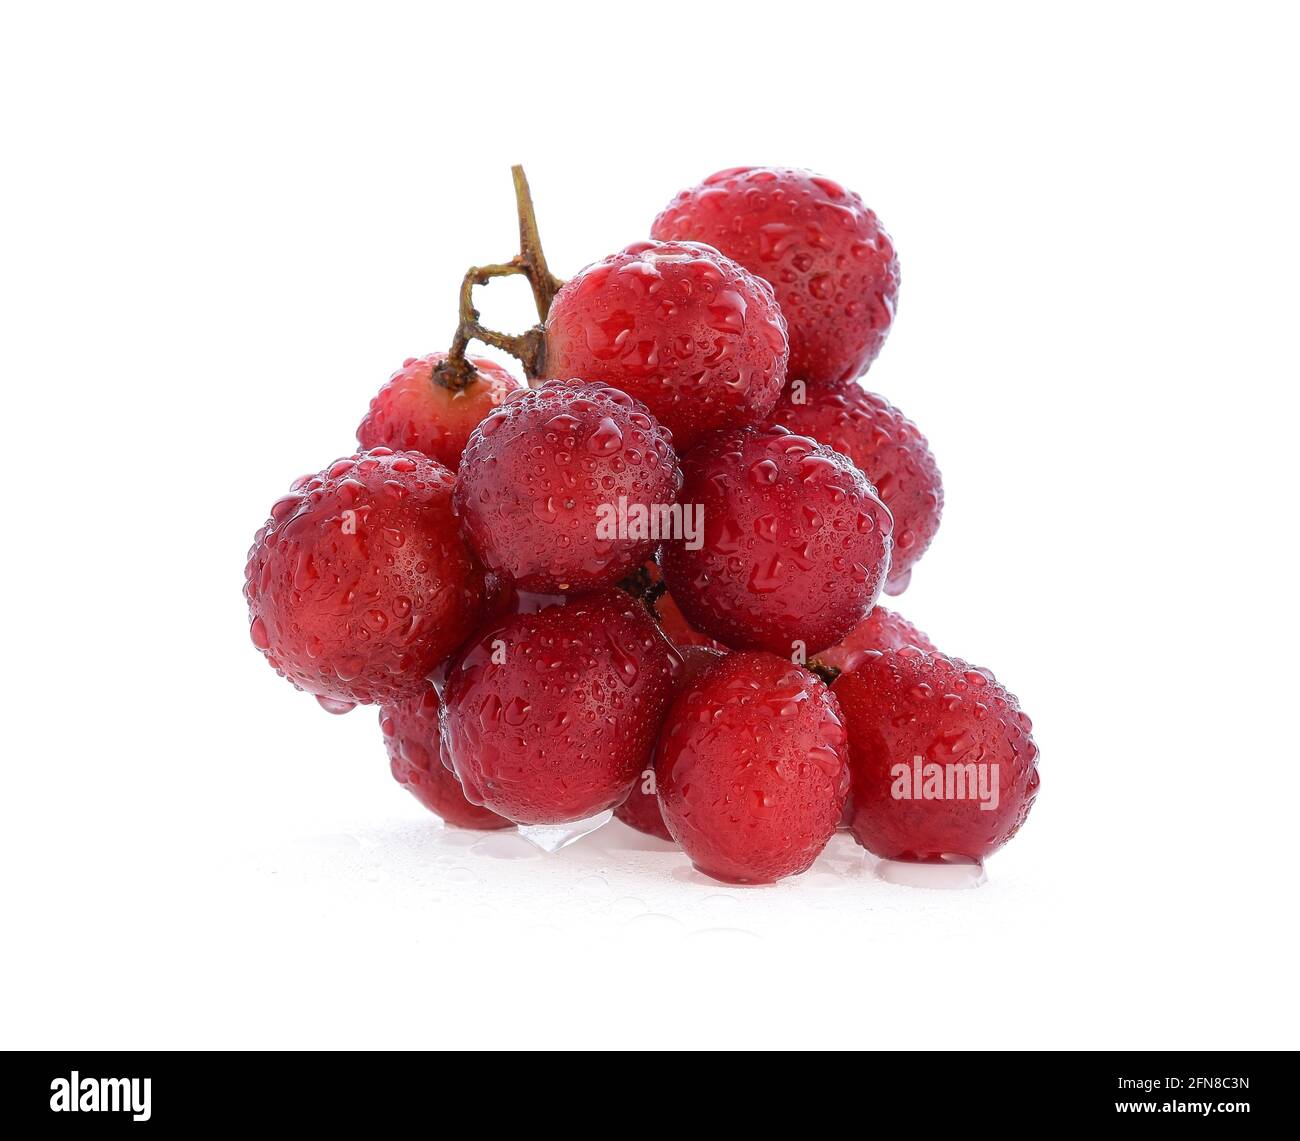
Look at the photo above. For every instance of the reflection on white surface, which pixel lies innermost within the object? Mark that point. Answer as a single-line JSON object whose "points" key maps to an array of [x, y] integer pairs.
{"points": [[610, 880], [951, 875]]}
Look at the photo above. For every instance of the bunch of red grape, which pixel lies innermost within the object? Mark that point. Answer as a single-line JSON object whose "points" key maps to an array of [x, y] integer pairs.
{"points": [[647, 581]]}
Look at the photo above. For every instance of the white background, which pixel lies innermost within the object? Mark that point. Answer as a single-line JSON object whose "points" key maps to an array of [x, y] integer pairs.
{"points": [[225, 225]]}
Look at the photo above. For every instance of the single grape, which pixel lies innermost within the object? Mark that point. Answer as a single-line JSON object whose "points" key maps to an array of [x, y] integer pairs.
{"points": [[796, 544]]}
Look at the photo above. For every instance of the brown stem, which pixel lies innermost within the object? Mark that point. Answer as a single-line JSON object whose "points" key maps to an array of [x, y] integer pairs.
{"points": [[639, 585], [545, 284], [828, 674], [529, 347]]}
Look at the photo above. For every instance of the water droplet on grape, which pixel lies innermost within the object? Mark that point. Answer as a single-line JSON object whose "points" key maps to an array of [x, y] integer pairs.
{"points": [[606, 439], [335, 705]]}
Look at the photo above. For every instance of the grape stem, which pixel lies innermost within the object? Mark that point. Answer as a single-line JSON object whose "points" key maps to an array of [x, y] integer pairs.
{"points": [[828, 674], [640, 587], [529, 347]]}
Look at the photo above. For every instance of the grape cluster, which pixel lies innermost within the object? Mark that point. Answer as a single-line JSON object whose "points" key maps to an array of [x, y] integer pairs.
{"points": [[646, 579]]}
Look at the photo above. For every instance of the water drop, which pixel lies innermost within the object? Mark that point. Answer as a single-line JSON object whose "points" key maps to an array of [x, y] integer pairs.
{"points": [[550, 838], [606, 439], [335, 705]]}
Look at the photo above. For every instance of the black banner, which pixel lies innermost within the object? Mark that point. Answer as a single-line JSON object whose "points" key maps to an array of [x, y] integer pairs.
{"points": [[92, 1091]]}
